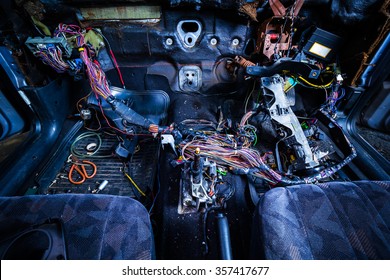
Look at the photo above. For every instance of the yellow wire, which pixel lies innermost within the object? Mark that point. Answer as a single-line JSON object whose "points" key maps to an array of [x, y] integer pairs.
{"points": [[316, 86], [135, 185]]}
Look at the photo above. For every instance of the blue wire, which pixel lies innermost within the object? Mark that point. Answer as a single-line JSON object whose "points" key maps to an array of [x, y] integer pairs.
{"points": [[342, 93]]}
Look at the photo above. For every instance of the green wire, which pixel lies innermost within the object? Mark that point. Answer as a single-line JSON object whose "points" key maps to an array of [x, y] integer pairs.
{"points": [[255, 142], [83, 136], [221, 172]]}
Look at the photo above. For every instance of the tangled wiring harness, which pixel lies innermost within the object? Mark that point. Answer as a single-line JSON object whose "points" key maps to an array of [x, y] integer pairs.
{"points": [[236, 152], [96, 76]]}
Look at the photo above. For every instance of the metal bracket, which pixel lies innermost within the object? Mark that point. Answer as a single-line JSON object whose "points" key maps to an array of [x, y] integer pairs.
{"points": [[190, 78], [281, 112], [189, 32], [200, 191]]}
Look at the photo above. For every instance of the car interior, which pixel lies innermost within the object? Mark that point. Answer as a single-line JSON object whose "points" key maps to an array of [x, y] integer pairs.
{"points": [[194, 129]]}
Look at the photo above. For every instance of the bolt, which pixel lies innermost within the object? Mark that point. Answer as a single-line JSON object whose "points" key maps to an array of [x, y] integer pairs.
{"points": [[169, 41], [213, 41], [235, 42], [187, 201]]}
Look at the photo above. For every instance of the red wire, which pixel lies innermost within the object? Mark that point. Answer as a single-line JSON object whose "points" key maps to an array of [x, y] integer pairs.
{"points": [[117, 68], [121, 131]]}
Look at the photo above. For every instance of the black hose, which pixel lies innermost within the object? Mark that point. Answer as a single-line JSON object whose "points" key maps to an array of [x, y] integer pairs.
{"points": [[127, 113], [224, 237]]}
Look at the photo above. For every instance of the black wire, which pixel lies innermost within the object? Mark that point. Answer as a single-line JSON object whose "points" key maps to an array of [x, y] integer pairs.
{"points": [[158, 178], [277, 155], [232, 190], [108, 45], [104, 37]]}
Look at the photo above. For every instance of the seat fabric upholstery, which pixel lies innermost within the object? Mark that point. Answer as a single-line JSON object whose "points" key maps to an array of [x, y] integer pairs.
{"points": [[95, 226], [336, 220]]}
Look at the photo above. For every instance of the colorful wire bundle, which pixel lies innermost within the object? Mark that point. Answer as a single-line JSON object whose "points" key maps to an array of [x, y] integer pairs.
{"points": [[331, 102], [236, 153], [226, 150], [70, 29], [52, 56], [112, 56], [97, 77]]}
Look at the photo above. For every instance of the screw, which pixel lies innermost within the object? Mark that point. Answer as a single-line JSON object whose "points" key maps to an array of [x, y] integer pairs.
{"points": [[213, 41], [235, 42], [169, 41]]}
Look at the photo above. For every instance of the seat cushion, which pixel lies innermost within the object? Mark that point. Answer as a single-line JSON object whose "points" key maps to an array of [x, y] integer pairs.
{"points": [[336, 220], [94, 226]]}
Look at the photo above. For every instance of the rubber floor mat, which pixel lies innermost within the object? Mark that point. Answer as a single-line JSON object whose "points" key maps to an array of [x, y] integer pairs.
{"points": [[141, 168]]}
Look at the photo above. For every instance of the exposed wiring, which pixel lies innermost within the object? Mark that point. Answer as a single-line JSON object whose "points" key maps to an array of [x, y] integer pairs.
{"points": [[98, 120], [331, 101], [134, 184], [306, 118], [52, 56], [290, 86], [118, 69], [277, 154], [225, 151], [117, 129], [232, 190], [246, 117], [76, 36], [158, 180], [78, 107], [236, 154], [97, 77], [112, 56], [248, 96], [89, 134], [301, 79]]}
